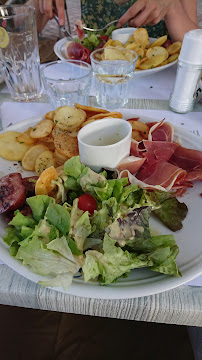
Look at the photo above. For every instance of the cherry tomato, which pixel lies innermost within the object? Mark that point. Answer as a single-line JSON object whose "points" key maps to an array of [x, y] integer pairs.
{"points": [[104, 37], [87, 203]]}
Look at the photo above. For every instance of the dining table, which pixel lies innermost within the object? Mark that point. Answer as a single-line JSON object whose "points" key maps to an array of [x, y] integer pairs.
{"points": [[149, 96]]}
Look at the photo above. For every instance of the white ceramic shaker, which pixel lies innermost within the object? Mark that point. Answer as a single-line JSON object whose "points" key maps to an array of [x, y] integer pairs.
{"points": [[188, 78]]}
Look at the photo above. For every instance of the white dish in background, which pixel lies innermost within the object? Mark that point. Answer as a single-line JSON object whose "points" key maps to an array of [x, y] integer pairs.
{"points": [[60, 49], [123, 34], [141, 282]]}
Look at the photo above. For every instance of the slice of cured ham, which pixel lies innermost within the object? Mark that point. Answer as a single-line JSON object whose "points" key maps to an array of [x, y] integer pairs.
{"points": [[78, 27], [187, 159], [161, 131], [131, 163], [161, 173], [77, 51], [159, 150]]}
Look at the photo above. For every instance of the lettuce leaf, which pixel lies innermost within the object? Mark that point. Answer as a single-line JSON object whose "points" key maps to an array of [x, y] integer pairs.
{"points": [[39, 204]]}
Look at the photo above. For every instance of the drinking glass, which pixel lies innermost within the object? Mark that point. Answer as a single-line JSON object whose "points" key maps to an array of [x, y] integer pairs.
{"points": [[19, 54], [113, 69], [67, 82]]}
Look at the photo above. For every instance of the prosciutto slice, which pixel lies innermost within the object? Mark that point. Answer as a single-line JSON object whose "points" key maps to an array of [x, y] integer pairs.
{"points": [[161, 131], [77, 51], [158, 150], [161, 173], [78, 27], [131, 163], [187, 159]]}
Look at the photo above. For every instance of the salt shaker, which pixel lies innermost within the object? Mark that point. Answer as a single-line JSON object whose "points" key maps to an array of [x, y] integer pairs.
{"points": [[189, 71]]}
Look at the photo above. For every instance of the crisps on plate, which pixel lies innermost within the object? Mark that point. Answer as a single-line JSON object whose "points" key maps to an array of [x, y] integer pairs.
{"points": [[44, 161], [10, 148], [69, 118], [43, 185], [66, 145], [29, 158], [42, 129]]}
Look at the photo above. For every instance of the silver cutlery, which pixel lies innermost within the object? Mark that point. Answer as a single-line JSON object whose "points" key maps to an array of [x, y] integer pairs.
{"points": [[106, 26]]}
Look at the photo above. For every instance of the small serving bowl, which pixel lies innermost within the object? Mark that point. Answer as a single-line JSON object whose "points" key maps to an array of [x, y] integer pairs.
{"points": [[123, 34], [104, 143]]}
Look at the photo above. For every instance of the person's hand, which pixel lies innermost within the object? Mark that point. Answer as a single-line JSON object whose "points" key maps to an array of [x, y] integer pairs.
{"points": [[46, 7], [146, 12]]}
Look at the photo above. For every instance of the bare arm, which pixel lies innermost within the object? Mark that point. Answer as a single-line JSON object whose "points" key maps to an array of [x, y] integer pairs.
{"points": [[181, 18]]}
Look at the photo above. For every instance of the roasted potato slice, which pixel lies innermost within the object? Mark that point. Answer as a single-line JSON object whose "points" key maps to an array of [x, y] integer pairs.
{"points": [[174, 48], [66, 145], [29, 158], [114, 114], [50, 115], [68, 118], [24, 138], [89, 110], [153, 62], [59, 158], [57, 131], [173, 57], [136, 135], [141, 37], [42, 129], [43, 185], [141, 127], [49, 145], [44, 161], [155, 51], [10, 148], [160, 41]]}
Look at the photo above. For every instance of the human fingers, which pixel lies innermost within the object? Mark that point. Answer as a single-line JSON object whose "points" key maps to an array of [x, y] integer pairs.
{"points": [[46, 8], [131, 12], [60, 8]]}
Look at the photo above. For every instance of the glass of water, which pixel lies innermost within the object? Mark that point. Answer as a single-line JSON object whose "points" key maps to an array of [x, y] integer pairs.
{"points": [[67, 82], [19, 53], [113, 69]]}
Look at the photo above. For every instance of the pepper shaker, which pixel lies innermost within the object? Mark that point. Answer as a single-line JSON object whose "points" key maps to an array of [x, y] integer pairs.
{"points": [[189, 72]]}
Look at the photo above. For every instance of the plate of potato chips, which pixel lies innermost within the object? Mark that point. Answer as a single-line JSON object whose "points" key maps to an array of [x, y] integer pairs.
{"points": [[154, 55]]}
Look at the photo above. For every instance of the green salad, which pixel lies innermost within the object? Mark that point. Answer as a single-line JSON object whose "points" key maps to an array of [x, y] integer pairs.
{"points": [[94, 39], [95, 225]]}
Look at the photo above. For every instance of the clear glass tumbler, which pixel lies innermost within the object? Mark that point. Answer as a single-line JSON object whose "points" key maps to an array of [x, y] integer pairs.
{"points": [[113, 69], [67, 82], [19, 53]]}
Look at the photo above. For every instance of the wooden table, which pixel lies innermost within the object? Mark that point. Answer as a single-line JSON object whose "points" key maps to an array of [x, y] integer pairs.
{"points": [[182, 305]]}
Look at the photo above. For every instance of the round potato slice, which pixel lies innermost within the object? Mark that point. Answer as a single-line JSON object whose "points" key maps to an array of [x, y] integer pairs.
{"points": [[69, 118], [141, 37], [66, 145], [89, 110], [43, 185], [174, 48], [114, 114], [59, 158], [153, 62], [50, 115], [160, 41], [44, 161], [42, 129], [57, 131], [10, 148], [173, 58], [29, 158], [156, 50], [24, 138]]}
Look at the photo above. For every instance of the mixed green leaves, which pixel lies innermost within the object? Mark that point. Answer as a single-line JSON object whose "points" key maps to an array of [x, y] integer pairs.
{"points": [[116, 238]]}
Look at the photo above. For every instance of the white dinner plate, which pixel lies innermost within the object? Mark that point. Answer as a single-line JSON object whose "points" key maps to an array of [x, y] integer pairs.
{"points": [[141, 282], [60, 49]]}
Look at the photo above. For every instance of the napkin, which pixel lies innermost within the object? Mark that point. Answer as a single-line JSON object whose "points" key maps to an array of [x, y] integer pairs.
{"points": [[13, 112]]}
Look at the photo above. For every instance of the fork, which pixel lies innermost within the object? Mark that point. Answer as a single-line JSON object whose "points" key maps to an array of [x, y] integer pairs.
{"points": [[110, 23], [62, 29]]}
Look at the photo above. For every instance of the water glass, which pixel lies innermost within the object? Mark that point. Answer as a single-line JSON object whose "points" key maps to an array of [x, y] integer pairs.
{"points": [[19, 53], [113, 69], [67, 82]]}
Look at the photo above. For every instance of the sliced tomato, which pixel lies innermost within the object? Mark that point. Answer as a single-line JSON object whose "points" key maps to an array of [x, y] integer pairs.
{"points": [[104, 37], [87, 203]]}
